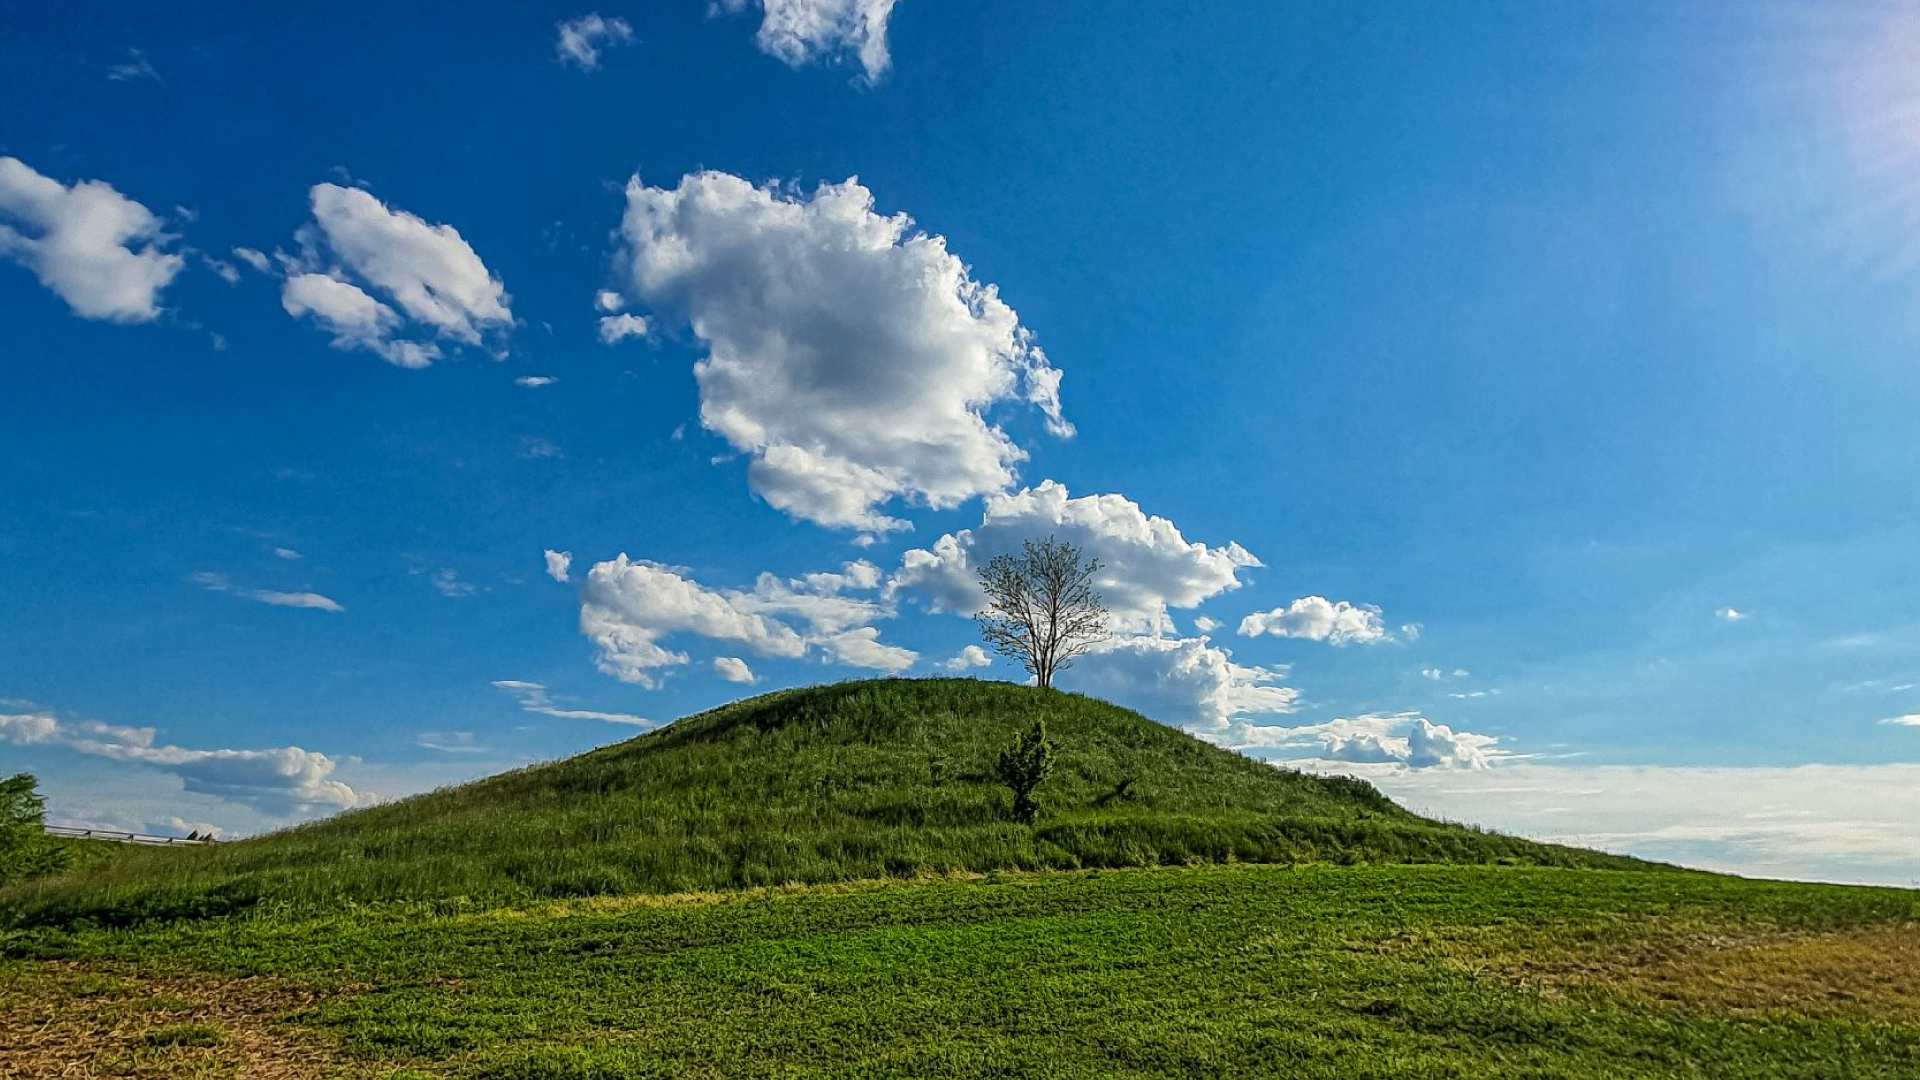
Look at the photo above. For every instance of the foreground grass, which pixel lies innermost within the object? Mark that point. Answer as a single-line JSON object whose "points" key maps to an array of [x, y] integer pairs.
{"points": [[862, 780], [1314, 972]]}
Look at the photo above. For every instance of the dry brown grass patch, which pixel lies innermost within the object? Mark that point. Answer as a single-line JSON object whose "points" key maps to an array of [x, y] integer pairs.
{"points": [[1875, 971], [83, 1021]]}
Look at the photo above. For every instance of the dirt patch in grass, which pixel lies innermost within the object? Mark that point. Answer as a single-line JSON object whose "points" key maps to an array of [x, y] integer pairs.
{"points": [[1875, 971], [84, 1021]]}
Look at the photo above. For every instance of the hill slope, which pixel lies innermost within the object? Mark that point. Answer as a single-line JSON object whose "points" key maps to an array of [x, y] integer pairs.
{"points": [[885, 778]]}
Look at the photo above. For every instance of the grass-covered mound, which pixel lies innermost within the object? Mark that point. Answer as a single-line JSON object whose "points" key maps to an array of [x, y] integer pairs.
{"points": [[887, 778]]}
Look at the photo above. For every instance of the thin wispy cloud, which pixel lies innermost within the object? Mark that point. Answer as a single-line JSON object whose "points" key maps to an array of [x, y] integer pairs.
{"points": [[309, 600], [534, 698], [582, 40], [135, 66]]}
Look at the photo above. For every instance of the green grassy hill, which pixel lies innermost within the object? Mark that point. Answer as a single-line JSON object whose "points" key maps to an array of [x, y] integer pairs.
{"points": [[503, 959], [879, 779]]}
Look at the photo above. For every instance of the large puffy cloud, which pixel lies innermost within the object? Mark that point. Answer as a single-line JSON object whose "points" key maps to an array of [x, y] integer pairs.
{"points": [[797, 32], [428, 279], [1147, 566], [101, 252], [630, 606], [279, 780], [1392, 739], [851, 357], [1184, 682], [1316, 618]]}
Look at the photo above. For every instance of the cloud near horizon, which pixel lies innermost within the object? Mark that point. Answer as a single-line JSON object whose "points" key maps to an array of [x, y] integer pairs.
{"points": [[1406, 739], [1843, 823], [852, 358], [277, 781]]}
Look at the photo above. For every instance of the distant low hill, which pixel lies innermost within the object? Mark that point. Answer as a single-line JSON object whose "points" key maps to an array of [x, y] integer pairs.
{"points": [[859, 780]]}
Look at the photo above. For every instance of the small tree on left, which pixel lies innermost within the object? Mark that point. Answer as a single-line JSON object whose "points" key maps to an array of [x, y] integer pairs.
{"points": [[24, 848]]}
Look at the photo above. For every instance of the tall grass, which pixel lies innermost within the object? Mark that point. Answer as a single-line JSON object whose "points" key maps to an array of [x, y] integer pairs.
{"points": [[884, 778]]}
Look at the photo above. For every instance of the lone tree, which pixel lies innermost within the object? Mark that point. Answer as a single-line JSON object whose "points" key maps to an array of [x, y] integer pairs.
{"points": [[1023, 766], [1042, 609], [24, 849]]}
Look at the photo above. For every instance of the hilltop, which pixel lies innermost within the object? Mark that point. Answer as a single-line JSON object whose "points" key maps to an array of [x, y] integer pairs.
{"points": [[876, 779]]}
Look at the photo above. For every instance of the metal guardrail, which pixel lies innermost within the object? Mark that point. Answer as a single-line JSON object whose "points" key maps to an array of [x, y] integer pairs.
{"points": [[72, 833]]}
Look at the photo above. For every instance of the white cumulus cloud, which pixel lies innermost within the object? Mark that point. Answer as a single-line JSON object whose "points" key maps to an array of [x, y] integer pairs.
{"points": [[1183, 682], [617, 328], [430, 282], [1147, 565], [1405, 740], [558, 564], [1316, 618], [355, 319], [101, 252], [582, 40], [972, 656], [629, 607], [799, 32], [852, 357], [733, 669]]}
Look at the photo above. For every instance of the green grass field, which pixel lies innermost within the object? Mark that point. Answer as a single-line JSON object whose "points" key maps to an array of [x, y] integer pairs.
{"points": [[824, 883], [1309, 972]]}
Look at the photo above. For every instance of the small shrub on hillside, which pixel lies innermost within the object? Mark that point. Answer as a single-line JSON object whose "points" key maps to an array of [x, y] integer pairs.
{"points": [[1023, 766]]}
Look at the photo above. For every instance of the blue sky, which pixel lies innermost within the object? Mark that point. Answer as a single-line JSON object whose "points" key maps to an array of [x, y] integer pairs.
{"points": [[1510, 403]]}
